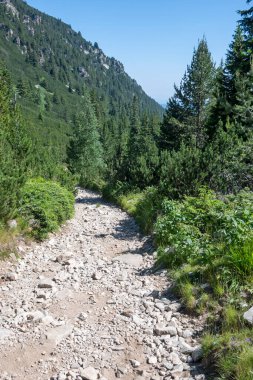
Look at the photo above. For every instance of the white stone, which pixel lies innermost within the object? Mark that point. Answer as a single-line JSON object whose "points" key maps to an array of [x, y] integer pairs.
{"points": [[57, 334], [161, 329], [135, 363], [137, 320], [45, 283], [152, 360], [184, 347], [248, 315], [5, 333], [89, 373], [174, 358]]}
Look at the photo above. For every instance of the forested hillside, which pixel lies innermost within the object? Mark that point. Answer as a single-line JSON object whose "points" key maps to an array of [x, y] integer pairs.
{"points": [[50, 65]]}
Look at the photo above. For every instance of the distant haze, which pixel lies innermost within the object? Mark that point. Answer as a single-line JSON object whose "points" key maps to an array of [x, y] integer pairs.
{"points": [[153, 39]]}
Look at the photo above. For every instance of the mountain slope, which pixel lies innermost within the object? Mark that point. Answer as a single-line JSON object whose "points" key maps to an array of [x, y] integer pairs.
{"points": [[50, 64]]}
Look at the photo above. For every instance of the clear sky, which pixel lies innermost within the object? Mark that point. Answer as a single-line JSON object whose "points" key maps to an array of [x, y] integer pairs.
{"points": [[154, 39]]}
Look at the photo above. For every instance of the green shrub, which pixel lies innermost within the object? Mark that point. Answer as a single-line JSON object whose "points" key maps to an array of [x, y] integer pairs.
{"points": [[148, 209], [145, 206], [207, 243], [62, 175], [129, 202], [181, 172], [201, 230], [112, 191], [231, 354], [45, 205]]}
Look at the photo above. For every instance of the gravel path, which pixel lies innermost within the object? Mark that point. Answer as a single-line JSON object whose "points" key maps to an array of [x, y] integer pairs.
{"points": [[85, 304]]}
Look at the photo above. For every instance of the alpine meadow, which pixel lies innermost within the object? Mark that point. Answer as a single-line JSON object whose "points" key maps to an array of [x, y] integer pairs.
{"points": [[78, 135]]}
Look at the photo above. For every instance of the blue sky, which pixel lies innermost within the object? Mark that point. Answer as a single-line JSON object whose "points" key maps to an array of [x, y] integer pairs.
{"points": [[154, 39]]}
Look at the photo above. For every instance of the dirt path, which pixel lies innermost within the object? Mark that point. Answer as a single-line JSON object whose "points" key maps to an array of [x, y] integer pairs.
{"points": [[85, 305]]}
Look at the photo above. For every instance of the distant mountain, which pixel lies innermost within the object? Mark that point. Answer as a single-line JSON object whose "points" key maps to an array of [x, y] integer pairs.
{"points": [[50, 64]]}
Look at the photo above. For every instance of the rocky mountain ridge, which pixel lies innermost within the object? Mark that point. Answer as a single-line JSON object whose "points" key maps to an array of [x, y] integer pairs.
{"points": [[64, 54]]}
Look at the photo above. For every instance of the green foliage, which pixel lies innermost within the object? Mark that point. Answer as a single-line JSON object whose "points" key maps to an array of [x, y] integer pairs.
{"points": [[129, 202], [201, 229], [113, 190], [62, 175], [148, 208], [45, 205], [187, 110], [231, 318], [15, 148], [231, 353], [50, 66], [143, 156], [225, 165], [85, 154], [144, 206], [181, 172]]}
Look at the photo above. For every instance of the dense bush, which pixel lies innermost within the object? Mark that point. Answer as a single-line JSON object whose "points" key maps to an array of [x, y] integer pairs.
{"points": [[148, 208], [181, 172], [201, 229], [45, 205], [207, 242], [113, 190]]}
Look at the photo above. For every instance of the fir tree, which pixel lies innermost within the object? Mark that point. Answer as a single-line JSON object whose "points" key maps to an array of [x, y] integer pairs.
{"points": [[246, 23], [15, 148], [221, 109], [244, 101], [143, 157], [187, 111], [85, 154], [235, 60]]}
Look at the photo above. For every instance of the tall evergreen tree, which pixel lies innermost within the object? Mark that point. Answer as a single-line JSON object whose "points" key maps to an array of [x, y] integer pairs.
{"points": [[15, 148], [221, 109], [246, 23], [85, 153], [143, 156], [187, 111], [244, 102], [235, 59]]}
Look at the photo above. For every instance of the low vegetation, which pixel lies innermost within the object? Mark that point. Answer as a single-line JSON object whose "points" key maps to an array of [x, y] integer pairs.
{"points": [[206, 242], [45, 205]]}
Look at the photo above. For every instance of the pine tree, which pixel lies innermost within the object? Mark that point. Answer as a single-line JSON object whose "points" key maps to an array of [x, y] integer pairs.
{"points": [[239, 69], [187, 111], [85, 153], [247, 26], [15, 148], [244, 102], [221, 109], [143, 158], [235, 59]]}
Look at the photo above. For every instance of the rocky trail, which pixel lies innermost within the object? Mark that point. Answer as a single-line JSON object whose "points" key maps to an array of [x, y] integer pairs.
{"points": [[85, 304]]}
